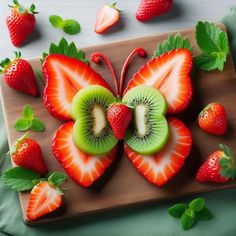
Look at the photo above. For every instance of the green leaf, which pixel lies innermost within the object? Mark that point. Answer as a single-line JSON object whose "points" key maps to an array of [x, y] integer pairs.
{"points": [[28, 112], [214, 45], [171, 43], [204, 214], [37, 125], [177, 210], [22, 124], [20, 178], [72, 50], [188, 219], [71, 27], [57, 178], [39, 74], [56, 21], [197, 204]]}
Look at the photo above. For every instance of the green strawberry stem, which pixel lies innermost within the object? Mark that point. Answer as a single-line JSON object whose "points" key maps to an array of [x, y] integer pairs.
{"points": [[4, 64], [22, 9], [142, 53], [113, 5], [227, 162], [13, 148]]}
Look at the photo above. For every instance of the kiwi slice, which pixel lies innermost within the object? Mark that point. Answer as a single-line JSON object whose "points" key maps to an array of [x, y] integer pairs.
{"points": [[148, 131], [92, 133]]}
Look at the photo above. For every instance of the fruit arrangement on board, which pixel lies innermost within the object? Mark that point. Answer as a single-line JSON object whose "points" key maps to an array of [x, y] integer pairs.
{"points": [[142, 116]]}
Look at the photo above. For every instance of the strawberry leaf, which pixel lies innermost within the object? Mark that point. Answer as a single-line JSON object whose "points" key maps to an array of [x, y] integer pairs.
{"points": [[19, 178], [177, 210], [214, 45], [197, 204], [171, 43], [57, 178]]}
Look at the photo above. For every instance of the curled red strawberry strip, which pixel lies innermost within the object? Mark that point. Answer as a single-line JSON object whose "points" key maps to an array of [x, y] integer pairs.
{"points": [[142, 53], [96, 58]]}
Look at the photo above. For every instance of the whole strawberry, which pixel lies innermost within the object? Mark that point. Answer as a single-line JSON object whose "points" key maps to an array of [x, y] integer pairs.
{"points": [[20, 22], [149, 9], [27, 153], [19, 75], [212, 119], [119, 117], [219, 167]]}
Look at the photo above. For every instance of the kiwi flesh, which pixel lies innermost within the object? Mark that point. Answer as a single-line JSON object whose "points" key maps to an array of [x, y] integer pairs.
{"points": [[148, 131], [92, 133]]}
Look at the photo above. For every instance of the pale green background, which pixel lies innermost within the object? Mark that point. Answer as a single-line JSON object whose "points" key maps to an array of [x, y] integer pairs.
{"points": [[151, 219]]}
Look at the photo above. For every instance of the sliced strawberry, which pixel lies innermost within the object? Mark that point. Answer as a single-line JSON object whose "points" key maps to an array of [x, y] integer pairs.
{"points": [[64, 77], [84, 169], [162, 166], [43, 199], [168, 73]]}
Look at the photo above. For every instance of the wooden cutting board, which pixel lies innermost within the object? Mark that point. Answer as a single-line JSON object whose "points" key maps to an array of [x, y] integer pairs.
{"points": [[122, 185]]}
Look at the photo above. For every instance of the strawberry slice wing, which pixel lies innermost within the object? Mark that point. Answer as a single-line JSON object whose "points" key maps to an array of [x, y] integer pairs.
{"points": [[83, 168], [64, 77], [164, 165], [169, 73]]}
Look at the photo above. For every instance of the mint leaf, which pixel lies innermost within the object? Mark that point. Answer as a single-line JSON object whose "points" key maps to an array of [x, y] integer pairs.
{"points": [[214, 45], [22, 125], [71, 27], [28, 112], [188, 219], [177, 210], [57, 178], [28, 121], [204, 214], [171, 43], [20, 178], [56, 21], [37, 125], [197, 204]]}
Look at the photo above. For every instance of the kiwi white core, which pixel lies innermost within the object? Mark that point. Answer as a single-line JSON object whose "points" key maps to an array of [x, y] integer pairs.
{"points": [[99, 119], [140, 119]]}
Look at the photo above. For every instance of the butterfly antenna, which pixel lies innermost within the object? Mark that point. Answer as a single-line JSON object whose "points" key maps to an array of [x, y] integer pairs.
{"points": [[96, 58], [142, 53]]}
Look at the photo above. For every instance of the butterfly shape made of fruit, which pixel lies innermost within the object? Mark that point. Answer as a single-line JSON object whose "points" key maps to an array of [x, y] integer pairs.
{"points": [[155, 142]]}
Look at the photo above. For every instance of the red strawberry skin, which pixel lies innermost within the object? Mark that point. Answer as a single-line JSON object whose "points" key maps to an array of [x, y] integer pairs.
{"points": [[210, 170], [20, 25], [20, 76], [64, 77], [213, 119], [83, 168], [149, 9], [43, 200], [161, 167], [170, 74], [119, 117], [28, 154]]}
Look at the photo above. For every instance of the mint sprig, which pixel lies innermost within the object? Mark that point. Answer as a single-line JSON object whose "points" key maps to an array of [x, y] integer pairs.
{"points": [[67, 49], [20, 178], [28, 121], [190, 213], [171, 43], [69, 26], [214, 45]]}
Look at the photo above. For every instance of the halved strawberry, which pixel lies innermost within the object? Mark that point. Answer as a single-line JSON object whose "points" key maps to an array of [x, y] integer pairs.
{"points": [[64, 77], [162, 166], [168, 73], [83, 168], [44, 199]]}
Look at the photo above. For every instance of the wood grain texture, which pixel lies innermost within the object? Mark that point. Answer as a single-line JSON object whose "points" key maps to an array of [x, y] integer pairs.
{"points": [[122, 185]]}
